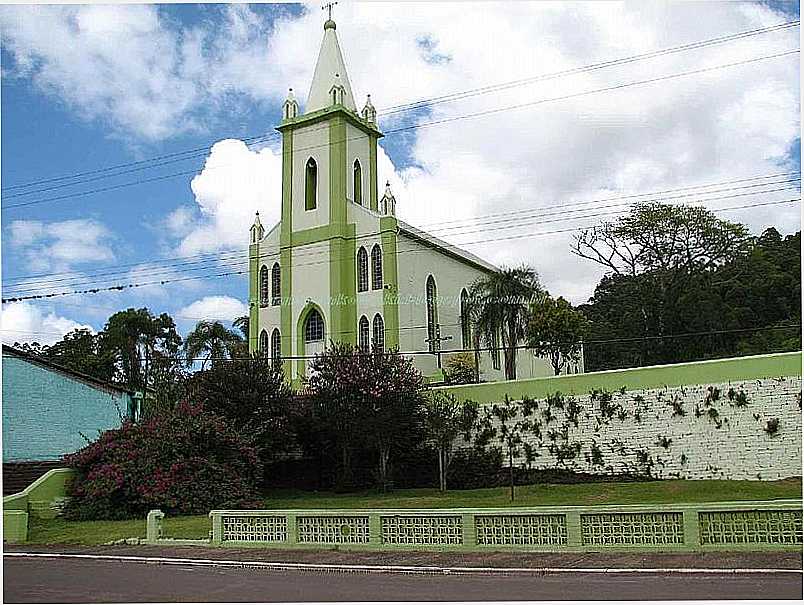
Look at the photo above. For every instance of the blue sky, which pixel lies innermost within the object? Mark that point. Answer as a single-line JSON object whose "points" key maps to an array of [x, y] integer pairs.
{"points": [[85, 89]]}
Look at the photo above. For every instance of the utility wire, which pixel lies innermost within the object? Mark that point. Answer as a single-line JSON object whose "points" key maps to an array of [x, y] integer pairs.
{"points": [[421, 103], [120, 287], [434, 123], [142, 266]]}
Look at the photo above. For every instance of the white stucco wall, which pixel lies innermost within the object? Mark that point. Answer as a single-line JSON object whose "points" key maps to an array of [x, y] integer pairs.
{"points": [[310, 142]]}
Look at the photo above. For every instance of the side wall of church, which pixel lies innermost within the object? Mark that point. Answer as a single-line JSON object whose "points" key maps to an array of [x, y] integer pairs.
{"points": [[310, 142]]}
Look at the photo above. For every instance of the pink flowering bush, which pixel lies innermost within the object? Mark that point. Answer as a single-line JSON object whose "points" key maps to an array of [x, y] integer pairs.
{"points": [[184, 461]]}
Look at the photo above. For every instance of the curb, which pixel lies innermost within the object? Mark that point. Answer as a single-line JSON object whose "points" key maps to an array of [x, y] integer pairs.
{"points": [[404, 569]]}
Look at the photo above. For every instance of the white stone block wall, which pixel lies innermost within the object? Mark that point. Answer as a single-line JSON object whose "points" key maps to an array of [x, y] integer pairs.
{"points": [[732, 444]]}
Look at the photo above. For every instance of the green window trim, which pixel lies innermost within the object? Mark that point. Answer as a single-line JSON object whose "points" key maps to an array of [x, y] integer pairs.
{"points": [[311, 185], [357, 174]]}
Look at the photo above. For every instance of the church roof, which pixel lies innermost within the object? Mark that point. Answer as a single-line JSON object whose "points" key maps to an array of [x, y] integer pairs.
{"points": [[445, 247], [330, 69]]}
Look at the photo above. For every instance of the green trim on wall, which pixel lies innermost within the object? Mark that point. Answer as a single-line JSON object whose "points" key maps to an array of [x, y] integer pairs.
{"points": [[321, 115], [314, 235], [390, 268], [337, 171], [700, 372], [285, 253], [301, 364], [373, 200], [253, 296]]}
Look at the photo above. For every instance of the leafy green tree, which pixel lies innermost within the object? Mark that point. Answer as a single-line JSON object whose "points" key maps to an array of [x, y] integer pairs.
{"points": [[79, 350], [509, 431], [137, 341], [213, 341], [242, 324], [556, 330], [253, 396], [445, 418], [500, 305]]}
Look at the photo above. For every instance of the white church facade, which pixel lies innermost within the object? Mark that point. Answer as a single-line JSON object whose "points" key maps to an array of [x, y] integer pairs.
{"points": [[339, 265]]}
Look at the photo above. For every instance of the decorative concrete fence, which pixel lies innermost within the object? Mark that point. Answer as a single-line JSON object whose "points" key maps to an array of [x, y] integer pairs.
{"points": [[683, 527], [44, 499]]}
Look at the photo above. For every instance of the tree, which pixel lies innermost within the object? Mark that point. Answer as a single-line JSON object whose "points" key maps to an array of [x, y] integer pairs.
{"points": [[211, 339], [556, 330], [253, 396], [659, 252], [242, 324], [500, 304], [510, 432], [138, 340], [80, 350], [365, 398], [445, 419]]}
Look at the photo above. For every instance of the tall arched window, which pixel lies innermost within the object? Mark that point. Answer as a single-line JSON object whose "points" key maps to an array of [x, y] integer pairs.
{"points": [[376, 267], [264, 285], [263, 342], [276, 285], [276, 345], [314, 327], [363, 334], [432, 313], [362, 270], [466, 327], [379, 333], [310, 185], [357, 174]]}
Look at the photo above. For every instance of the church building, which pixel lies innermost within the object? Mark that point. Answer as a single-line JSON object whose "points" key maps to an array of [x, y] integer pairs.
{"points": [[340, 266]]}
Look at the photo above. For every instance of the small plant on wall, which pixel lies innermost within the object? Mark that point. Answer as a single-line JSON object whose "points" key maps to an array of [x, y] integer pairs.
{"points": [[712, 395], [738, 399], [664, 442], [772, 426]]}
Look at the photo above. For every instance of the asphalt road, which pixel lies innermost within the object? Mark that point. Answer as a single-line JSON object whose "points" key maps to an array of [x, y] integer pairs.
{"points": [[85, 581]]}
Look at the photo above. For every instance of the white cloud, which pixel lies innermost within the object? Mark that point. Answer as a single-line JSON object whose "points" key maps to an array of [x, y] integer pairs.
{"points": [[26, 322], [705, 128], [221, 308], [57, 246]]}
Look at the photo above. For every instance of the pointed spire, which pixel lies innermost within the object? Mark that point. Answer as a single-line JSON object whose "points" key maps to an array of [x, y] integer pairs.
{"points": [[257, 230], [330, 70], [369, 113], [388, 201]]}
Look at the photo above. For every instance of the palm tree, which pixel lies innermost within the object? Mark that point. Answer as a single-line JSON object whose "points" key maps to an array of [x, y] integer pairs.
{"points": [[500, 304], [212, 340], [242, 324]]}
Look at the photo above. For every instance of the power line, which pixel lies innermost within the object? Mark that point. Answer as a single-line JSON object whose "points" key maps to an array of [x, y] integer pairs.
{"points": [[436, 123], [238, 256], [426, 102], [120, 287], [214, 257]]}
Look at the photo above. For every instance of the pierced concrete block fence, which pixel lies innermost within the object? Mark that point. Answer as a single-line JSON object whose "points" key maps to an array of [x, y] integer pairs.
{"points": [[683, 527]]}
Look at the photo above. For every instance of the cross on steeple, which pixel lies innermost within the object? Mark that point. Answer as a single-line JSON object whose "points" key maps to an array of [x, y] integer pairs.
{"points": [[328, 6]]}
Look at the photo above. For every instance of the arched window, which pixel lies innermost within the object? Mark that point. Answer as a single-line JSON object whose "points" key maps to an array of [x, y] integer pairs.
{"points": [[264, 285], [263, 342], [362, 270], [432, 313], [314, 327], [310, 185], [363, 335], [357, 174], [276, 285], [379, 333], [276, 345], [376, 267], [466, 327]]}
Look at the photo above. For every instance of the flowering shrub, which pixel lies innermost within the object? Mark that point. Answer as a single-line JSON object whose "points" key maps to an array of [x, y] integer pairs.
{"points": [[184, 461]]}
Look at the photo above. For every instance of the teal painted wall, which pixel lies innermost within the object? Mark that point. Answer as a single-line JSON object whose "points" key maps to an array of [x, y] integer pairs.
{"points": [[45, 411]]}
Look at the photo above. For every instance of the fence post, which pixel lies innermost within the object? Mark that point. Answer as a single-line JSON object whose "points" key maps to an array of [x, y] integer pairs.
{"points": [[153, 526], [574, 537], [375, 529], [293, 534], [469, 531], [692, 538], [217, 527]]}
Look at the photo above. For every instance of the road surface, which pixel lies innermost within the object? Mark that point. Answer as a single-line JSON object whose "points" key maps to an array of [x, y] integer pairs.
{"points": [[91, 581]]}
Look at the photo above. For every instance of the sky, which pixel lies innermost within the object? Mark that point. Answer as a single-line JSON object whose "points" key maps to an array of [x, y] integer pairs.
{"points": [[507, 172]]}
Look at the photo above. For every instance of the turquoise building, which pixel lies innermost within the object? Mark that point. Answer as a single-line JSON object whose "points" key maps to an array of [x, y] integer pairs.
{"points": [[47, 408]]}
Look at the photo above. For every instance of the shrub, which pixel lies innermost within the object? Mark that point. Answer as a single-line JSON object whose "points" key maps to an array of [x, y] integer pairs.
{"points": [[459, 368], [184, 461], [476, 467]]}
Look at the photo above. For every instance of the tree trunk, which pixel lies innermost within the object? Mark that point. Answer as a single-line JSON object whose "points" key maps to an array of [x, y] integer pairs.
{"points": [[511, 470], [384, 455], [441, 474]]}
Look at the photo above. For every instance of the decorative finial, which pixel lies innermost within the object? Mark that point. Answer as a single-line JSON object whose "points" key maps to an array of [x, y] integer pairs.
{"points": [[329, 23]]}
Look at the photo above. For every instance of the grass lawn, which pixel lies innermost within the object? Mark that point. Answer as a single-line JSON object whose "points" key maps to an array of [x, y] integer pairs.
{"points": [[97, 532]]}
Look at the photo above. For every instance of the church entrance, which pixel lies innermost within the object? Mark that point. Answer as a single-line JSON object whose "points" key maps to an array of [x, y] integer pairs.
{"points": [[313, 337]]}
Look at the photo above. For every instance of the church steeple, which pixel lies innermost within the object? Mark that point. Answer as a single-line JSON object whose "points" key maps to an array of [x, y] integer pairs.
{"points": [[330, 71]]}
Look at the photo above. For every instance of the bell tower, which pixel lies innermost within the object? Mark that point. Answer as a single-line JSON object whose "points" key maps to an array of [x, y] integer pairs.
{"points": [[329, 160]]}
